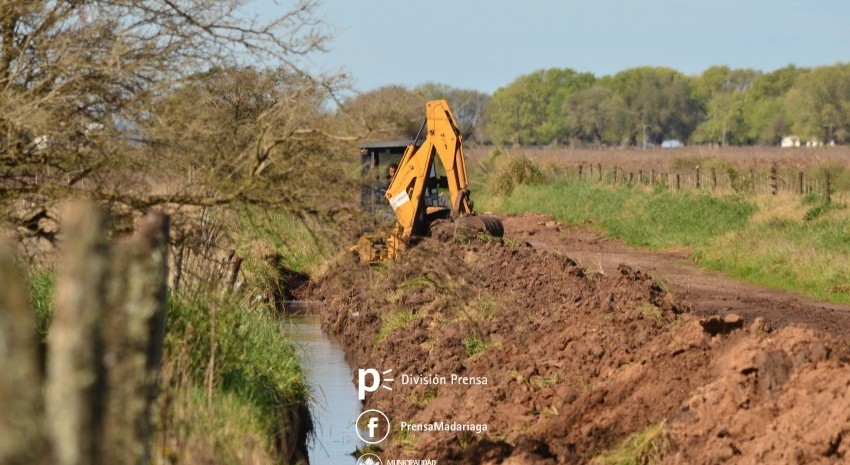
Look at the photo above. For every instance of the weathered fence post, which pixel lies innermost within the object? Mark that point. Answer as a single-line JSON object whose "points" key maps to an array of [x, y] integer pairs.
{"points": [[590, 171], [75, 380], [599, 170], [20, 383], [640, 176], [615, 174], [800, 182], [652, 177], [752, 179], [697, 178], [827, 196], [105, 342], [233, 272], [580, 171], [135, 332], [713, 179], [678, 181], [631, 177], [774, 181]]}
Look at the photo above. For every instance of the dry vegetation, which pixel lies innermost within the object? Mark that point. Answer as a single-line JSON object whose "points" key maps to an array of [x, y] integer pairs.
{"points": [[670, 159]]}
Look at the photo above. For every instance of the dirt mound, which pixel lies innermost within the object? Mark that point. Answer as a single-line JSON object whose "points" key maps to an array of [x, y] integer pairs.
{"points": [[781, 398], [576, 362]]}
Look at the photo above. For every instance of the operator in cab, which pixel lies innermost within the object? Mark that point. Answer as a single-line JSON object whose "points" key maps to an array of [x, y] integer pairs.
{"points": [[391, 172]]}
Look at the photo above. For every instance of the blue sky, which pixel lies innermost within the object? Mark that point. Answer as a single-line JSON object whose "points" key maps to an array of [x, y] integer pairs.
{"points": [[485, 44]]}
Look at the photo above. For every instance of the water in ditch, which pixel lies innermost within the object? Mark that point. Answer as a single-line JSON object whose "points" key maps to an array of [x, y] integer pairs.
{"points": [[335, 405]]}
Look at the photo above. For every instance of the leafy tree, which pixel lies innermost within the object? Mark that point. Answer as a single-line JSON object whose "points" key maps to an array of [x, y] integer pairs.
{"points": [[775, 83], [722, 79], [597, 115], [767, 119], [820, 98], [726, 120], [529, 110], [658, 98], [722, 92], [766, 116]]}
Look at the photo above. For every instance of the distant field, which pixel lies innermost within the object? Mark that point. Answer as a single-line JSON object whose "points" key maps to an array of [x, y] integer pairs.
{"points": [[670, 159]]}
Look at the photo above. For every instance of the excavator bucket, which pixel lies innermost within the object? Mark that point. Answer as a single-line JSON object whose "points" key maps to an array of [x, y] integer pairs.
{"points": [[483, 223]]}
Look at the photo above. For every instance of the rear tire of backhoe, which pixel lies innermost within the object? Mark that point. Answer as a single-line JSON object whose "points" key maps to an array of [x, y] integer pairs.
{"points": [[483, 223]]}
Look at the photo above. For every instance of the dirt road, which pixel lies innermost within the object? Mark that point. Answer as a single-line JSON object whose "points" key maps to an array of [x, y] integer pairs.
{"points": [[704, 292]]}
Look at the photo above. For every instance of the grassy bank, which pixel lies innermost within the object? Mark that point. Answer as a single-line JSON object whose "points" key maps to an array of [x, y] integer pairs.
{"points": [[235, 382], [782, 241], [232, 387]]}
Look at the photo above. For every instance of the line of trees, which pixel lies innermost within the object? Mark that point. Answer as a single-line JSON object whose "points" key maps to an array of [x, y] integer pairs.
{"points": [[649, 104]]}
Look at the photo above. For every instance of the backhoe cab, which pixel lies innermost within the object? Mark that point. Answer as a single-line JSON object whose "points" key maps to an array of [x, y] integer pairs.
{"points": [[415, 193]]}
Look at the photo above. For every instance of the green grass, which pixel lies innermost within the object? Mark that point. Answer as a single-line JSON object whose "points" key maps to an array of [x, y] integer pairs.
{"points": [[395, 320], [644, 448], [252, 359], [655, 219], [474, 345], [41, 284], [785, 242], [257, 381], [303, 245], [233, 431], [812, 257]]}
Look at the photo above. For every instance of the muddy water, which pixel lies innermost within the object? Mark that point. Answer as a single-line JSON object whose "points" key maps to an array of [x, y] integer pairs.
{"points": [[335, 405]]}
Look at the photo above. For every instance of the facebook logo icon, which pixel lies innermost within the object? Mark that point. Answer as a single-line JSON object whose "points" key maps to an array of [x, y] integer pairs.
{"points": [[372, 426]]}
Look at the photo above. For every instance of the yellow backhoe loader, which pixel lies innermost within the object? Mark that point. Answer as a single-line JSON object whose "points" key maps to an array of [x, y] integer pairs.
{"points": [[414, 191]]}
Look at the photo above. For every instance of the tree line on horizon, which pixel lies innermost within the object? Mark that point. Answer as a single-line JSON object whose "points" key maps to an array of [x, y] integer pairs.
{"points": [[722, 105]]}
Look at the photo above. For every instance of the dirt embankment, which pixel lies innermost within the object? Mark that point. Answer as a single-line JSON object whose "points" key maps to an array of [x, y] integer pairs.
{"points": [[578, 361]]}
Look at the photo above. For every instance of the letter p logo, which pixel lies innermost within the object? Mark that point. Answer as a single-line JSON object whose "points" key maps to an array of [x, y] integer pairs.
{"points": [[369, 380]]}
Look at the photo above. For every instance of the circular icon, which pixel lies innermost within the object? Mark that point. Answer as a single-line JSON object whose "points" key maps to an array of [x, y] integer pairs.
{"points": [[375, 426], [369, 459]]}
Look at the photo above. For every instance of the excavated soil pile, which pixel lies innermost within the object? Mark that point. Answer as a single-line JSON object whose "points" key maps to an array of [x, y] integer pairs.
{"points": [[576, 363]]}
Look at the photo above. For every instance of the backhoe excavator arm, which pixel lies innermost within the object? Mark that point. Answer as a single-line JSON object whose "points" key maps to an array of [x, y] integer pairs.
{"points": [[406, 188]]}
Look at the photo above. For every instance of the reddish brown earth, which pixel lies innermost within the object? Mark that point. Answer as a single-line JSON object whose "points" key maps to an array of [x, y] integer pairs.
{"points": [[578, 360], [704, 292]]}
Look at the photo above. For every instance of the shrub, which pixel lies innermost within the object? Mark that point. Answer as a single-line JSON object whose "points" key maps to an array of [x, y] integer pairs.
{"points": [[514, 172]]}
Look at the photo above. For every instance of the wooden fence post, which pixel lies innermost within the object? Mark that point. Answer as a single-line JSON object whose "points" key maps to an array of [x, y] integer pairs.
{"points": [[800, 182], [615, 174], [580, 171], [774, 181], [135, 333], [713, 179], [697, 178], [652, 177], [631, 177], [599, 170], [75, 380], [105, 342], [678, 181], [827, 196], [640, 176], [20, 383], [590, 171]]}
